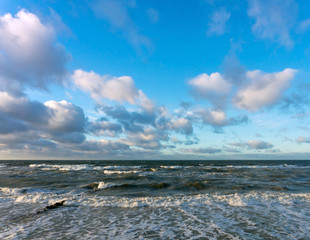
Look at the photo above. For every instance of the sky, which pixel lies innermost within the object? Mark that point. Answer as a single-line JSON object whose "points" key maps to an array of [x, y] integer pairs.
{"points": [[134, 79]]}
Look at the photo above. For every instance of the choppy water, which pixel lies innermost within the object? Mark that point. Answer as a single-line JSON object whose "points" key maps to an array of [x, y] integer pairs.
{"points": [[155, 199]]}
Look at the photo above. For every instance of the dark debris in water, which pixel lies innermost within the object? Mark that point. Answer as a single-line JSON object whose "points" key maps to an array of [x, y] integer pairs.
{"points": [[53, 206]]}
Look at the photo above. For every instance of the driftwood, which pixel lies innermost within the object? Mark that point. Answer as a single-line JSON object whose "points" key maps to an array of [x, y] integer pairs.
{"points": [[55, 205]]}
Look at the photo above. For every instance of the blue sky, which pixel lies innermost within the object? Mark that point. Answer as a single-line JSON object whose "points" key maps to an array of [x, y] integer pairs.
{"points": [[133, 79]]}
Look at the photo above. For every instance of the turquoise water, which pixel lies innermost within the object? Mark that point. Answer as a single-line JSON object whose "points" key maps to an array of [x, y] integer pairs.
{"points": [[155, 199]]}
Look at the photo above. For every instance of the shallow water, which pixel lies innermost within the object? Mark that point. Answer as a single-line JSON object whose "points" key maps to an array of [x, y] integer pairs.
{"points": [[155, 199]]}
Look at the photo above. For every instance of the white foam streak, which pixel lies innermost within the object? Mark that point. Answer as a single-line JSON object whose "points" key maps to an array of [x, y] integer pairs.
{"points": [[83, 167], [71, 167], [2, 165], [103, 185], [204, 215], [172, 167], [108, 172]]}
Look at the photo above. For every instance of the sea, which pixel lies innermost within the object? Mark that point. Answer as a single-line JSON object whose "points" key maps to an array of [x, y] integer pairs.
{"points": [[155, 200]]}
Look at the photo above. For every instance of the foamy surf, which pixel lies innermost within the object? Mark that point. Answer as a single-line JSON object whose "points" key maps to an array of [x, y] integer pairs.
{"points": [[234, 216], [155, 200]]}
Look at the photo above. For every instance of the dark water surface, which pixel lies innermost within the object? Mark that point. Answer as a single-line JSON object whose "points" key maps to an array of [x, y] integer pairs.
{"points": [[155, 199]]}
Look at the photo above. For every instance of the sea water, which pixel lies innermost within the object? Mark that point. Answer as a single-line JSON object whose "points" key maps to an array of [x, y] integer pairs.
{"points": [[155, 199]]}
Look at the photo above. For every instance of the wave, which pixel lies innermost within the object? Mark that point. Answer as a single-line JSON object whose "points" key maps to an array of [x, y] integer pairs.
{"points": [[83, 167], [172, 167], [234, 199], [138, 169], [71, 167], [100, 185], [211, 216], [121, 172]]}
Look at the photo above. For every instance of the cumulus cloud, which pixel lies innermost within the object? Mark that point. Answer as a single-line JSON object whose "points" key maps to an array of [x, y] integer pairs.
{"points": [[138, 126], [257, 144], [119, 89], [65, 117], [29, 53], [66, 122], [131, 120], [114, 88], [213, 87], [218, 21], [148, 139], [103, 127], [52, 121], [182, 125], [143, 129], [253, 144], [273, 20], [217, 118], [23, 109], [213, 117], [175, 123], [263, 89], [250, 90]]}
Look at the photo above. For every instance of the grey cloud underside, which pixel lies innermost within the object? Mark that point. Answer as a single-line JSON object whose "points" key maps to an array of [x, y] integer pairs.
{"points": [[129, 120], [148, 130], [202, 150], [53, 121], [10, 125], [104, 128], [31, 125]]}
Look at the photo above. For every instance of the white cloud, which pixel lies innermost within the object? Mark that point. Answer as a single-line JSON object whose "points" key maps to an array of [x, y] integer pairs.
{"points": [[213, 117], [218, 20], [214, 82], [257, 144], [148, 139], [213, 87], [263, 89], [217, 118], [273, 19], [29, 53], [182, 125], [144, 102], [65, 117], [114, 88]]}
